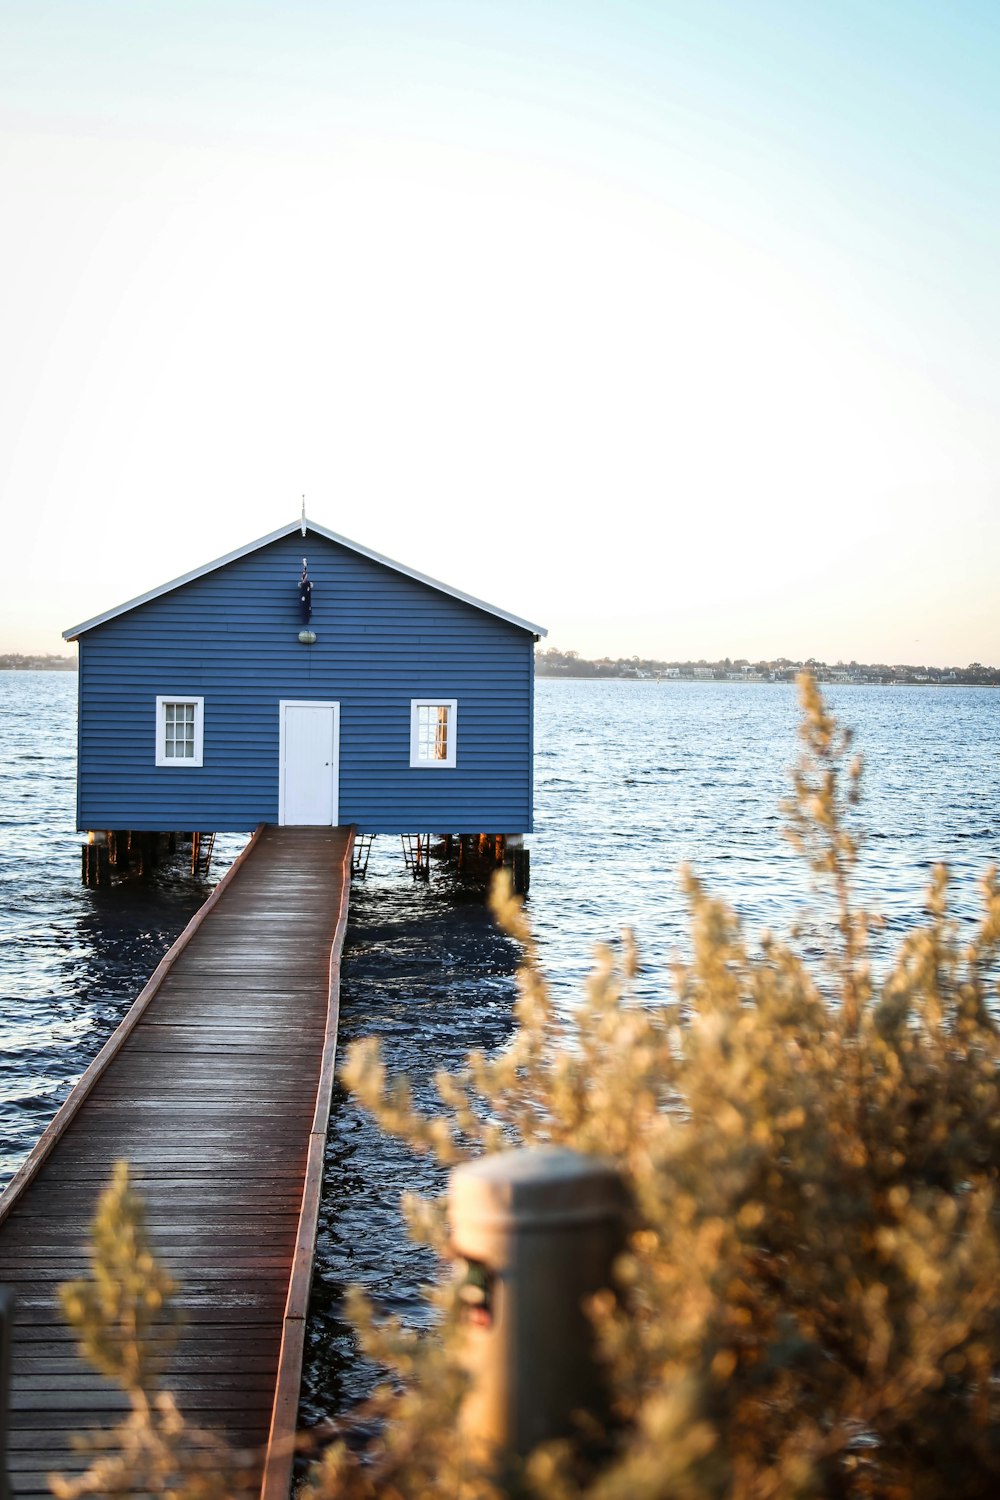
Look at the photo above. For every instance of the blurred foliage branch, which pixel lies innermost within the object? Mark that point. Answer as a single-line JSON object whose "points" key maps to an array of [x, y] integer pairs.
{"points": [[810, 1304]]}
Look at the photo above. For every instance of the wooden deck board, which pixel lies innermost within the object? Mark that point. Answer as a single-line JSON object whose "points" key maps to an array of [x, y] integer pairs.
{"points": [[212, 1089]]}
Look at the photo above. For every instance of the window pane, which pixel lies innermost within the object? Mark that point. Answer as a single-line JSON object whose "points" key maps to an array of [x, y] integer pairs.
{"points": [[441, 735], [178, 731], [432, 731]]}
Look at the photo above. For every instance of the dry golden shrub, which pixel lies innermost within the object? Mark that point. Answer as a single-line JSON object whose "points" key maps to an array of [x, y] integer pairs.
{"points": [[810, 1304]]}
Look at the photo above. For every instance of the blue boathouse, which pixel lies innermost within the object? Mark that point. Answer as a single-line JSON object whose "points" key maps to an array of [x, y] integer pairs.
{"points": [[304, 679]]}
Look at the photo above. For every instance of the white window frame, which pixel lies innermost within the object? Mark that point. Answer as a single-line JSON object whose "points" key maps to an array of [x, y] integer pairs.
{"points": [[449, 762], [179, 762]]}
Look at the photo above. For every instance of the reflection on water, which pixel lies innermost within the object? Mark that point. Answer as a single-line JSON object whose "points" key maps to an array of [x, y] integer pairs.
{"points": [[631, 779]]}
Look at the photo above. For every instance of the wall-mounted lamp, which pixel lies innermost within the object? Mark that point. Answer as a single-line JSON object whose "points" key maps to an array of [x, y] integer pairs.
{"points": [[305, 594], [307, 637]]}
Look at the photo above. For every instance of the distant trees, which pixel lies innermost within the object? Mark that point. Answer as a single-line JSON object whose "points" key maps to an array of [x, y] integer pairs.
{"points": [[553, 662], [14, 662]]}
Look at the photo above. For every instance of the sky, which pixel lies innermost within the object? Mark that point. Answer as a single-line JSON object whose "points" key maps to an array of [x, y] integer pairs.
{"points": [[673, 326]]}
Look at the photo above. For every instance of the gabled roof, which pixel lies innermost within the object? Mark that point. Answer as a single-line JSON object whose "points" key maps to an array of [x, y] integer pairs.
{"points": [[275, 536]]}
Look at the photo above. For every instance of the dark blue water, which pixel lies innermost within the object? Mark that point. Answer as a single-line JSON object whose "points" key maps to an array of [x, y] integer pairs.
{"points": [[634, 779], [631, 779]]}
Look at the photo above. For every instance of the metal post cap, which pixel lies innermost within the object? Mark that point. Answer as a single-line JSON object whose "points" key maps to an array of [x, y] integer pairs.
{"points": [[538, 1186]]}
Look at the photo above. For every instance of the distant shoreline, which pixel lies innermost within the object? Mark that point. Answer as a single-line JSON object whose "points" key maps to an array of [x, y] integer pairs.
{"points": [[555, 663], [38, 664], [756, 681], [558, 666]]}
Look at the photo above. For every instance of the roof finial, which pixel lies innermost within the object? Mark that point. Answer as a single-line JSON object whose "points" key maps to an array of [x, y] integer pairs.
{"points": [[303, 515]]}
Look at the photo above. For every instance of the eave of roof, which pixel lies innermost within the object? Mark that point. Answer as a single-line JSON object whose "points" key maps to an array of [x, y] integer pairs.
{"points": [[331, 536]]}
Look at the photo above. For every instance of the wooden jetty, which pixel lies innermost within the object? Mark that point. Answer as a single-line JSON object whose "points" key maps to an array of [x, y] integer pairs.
{"points": [[216, 1088]]}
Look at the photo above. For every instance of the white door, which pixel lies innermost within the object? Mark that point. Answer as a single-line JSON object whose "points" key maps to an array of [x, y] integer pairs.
{"points": [[309, 755]]}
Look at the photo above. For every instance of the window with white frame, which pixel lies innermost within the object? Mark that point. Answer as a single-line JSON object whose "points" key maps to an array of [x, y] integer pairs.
{"points": [[179, 731], [433, 732]]}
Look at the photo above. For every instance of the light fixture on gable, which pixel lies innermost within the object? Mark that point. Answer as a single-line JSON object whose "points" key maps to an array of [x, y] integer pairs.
{"points": [[307, 637]]}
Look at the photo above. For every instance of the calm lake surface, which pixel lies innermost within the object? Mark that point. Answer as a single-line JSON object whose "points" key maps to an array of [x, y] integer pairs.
{"points": [[631, 780]]}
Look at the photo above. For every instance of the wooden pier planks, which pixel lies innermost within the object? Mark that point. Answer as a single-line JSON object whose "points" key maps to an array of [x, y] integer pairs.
{"points": [[216, 1087]]}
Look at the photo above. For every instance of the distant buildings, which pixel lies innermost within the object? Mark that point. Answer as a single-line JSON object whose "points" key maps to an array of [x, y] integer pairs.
{"points": [[556, 663]]}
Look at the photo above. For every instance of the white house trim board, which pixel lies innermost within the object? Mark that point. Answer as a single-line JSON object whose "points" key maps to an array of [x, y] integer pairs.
{"points": [[285, 801], [275, 536]]}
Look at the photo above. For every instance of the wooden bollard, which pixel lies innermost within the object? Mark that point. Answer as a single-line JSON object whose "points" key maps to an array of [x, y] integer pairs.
{"points": [[538, 1231], [6, 1318]]}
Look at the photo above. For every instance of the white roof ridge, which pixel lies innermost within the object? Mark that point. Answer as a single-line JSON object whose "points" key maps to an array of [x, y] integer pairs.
{"points": [[275, 536]]}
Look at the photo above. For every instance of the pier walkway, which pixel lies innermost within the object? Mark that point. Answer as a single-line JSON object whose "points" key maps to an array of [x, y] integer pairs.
{"points": [[216, 1088]]}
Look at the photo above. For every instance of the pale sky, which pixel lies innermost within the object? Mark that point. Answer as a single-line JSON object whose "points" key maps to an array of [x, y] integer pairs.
{"points": [[673, 326]]}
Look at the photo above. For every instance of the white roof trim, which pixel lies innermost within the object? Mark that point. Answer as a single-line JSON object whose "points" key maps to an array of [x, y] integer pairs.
{"points": [[274, 536]]}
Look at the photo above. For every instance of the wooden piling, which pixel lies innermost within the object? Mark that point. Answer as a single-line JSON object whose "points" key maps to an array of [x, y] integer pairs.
{"points": [[96, 863], [118, 844]]}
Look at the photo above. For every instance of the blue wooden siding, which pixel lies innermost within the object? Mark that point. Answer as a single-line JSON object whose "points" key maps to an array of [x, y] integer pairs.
{"points": [[382, 639]]}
